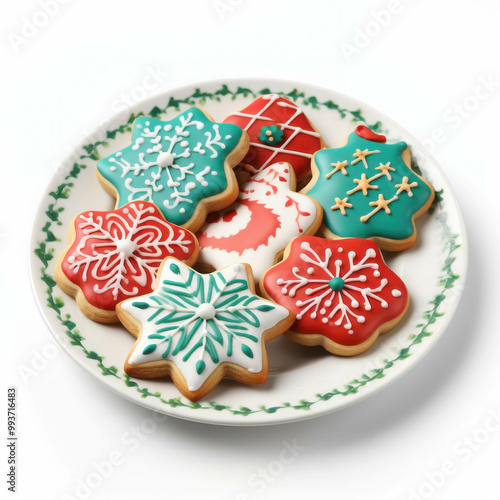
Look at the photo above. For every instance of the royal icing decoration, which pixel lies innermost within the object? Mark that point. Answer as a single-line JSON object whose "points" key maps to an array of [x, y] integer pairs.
{"points": [[341, 289], [271, 135], [174, 164], [200, 321], [366, 189], [279, 132], [115, 254], [259, 224]]}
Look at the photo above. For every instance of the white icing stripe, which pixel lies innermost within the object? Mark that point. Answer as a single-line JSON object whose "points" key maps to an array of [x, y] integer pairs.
{"points": [[279, 150], [271, 98], [287, 125], [282, 127]]}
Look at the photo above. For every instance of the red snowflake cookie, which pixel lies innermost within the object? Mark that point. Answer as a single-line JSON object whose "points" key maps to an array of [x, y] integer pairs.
{"points": [[115, 255], [279, 131], [342, 292]]}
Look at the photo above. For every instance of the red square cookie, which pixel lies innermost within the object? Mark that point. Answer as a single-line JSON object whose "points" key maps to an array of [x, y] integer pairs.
{"points": [[279, 132]]}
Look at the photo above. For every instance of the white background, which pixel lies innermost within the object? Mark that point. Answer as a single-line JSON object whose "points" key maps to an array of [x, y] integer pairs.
{"points": [[58, 80]]}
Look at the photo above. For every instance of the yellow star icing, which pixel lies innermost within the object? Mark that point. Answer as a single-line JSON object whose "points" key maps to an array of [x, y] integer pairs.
{"points": [[340, 165], [363, 184], [361, 156], [404, 186], [380, 204], [386, 169], [341, 205]]}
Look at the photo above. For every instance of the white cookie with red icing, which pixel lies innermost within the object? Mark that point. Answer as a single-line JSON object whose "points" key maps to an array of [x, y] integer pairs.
{"points": [[256, 228]]}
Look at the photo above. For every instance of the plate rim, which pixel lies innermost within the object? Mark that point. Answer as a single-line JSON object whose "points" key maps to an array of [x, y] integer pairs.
{"points": [[263, 416]]}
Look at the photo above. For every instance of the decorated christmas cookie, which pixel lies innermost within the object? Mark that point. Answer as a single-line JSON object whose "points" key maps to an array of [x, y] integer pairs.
{"points": [[115, 255], [343, 294], [279, 132], [198, 328], [183, 166], [368, 190], [256, 228]]}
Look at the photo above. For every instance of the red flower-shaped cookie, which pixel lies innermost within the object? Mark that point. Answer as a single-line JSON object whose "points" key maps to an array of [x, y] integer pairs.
{"points": [[341, 291], [279, 131], [114, 255]]}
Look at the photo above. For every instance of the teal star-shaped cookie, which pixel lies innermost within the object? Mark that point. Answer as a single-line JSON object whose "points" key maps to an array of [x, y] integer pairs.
{"points": [[368, 190], [198, 328], [183, 166]]}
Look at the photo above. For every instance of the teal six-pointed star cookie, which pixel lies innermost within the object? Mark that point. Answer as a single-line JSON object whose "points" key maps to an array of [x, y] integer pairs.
{"points": [[198, 328], [368, 190], [184, 166]]}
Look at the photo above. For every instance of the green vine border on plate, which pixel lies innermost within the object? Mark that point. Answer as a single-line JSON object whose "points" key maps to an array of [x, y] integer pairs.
{"points": [[45, 254]]}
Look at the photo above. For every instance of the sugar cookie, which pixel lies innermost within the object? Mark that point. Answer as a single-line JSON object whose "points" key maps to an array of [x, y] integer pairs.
{"points": [[184, 166], [113, 255], [257, 227], [198, 328], [368, 190], [342, 292], [279, 132]]}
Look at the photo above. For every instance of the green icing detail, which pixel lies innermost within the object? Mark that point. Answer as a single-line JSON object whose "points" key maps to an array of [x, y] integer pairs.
{"points": [[247, 351], [175, 268], [52, 225], [341, 184], [177, 303], [140, 305], [200, 366], [336, 284], [265, 308], [174, 164], [149, 348], [271, 135]]}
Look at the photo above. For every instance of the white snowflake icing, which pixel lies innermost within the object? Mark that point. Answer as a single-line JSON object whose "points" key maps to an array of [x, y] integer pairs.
{"points": [[117, 250], [150, 169], [341, 306]]}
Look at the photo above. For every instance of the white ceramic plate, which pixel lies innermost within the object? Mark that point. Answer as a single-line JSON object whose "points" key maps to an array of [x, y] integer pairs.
{"points": [[303, 382]]}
